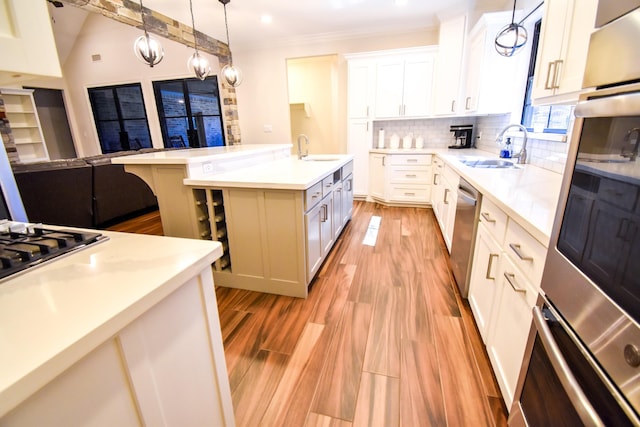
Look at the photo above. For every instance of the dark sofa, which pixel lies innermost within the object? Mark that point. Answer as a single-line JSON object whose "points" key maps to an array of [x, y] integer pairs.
{"points": [[86, 192]]}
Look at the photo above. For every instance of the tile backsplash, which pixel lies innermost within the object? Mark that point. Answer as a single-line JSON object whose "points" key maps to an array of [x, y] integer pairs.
{"points": [[549, 155]]}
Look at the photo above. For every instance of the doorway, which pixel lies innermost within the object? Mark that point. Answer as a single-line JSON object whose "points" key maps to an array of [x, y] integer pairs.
{"points": [[313, 105], [54, 123]]}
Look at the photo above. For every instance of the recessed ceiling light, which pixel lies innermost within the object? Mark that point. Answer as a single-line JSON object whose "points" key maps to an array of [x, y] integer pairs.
{"points": [[266, 19], [400, 2]]}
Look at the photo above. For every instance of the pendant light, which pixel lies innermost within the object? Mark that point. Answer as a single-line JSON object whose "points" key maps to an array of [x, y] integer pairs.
{"points": [[198, 63], [147, 48], [512, 37], [231, 74]]}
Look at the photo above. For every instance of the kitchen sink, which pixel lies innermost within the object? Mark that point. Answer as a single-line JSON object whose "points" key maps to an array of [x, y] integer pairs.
{"points": [[490, 163]]}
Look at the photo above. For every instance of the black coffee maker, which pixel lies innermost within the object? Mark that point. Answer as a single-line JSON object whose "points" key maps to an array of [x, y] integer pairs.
{"points": [[463, 135]]}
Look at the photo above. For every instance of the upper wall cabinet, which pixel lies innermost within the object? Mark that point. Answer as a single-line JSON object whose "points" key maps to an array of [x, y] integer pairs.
{"points": [[26, 41], [403, 85], [362, 85], [562, 52], [493, 82], [449, 67]]}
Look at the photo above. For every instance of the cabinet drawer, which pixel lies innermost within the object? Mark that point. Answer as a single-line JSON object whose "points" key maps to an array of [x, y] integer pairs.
{"points": [[416, 175], [494, 219], [313, 195], [526, 252], [347, 169], [410, 193], [327, 185], [452, 177], [410, 159]]}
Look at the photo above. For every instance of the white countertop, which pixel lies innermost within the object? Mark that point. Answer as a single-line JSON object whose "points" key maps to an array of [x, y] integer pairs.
{"points": [[56, 313], [197, 155], [288, 173], [528, 194]]}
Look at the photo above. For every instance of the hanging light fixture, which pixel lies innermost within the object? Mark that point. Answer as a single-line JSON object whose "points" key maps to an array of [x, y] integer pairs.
{"points": [[512, 37], [231, 74], [198, 63], [147, 48]]}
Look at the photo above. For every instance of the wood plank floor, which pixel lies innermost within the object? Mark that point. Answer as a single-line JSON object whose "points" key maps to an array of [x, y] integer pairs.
{"points": [[384, 338]]}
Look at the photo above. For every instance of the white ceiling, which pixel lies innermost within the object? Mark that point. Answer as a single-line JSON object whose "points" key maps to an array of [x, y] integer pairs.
{"points": [[303, 20]]}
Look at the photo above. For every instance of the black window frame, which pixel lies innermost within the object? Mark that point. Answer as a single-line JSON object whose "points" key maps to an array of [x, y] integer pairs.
{"points": [[528, 107], [125, 143], [193, 140]]}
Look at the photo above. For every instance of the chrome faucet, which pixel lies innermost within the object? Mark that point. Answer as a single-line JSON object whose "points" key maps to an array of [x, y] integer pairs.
{"points": [[634, 154], [304, 137], [522, 155]]}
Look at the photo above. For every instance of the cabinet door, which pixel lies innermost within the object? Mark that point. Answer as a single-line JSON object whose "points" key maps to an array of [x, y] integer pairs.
{"points": [[359, 144], [389, 88], [484, 275], [549, 46], [362, 76], [437, 191], [509, 328], [418, 80], [449, 212], [474, 67], [377, 175], [347, 198], [336, 211], [314, 242], [326, 223], [451, 46]]}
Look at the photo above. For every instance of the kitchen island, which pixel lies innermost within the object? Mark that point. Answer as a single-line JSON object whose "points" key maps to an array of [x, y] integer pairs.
{"points": [[276, 215], [122, 332]]}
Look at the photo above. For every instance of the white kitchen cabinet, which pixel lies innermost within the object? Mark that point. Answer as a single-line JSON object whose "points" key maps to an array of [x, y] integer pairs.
{"points": [[377, 175], [510, 325], [401, 178], [347, 197], [20, 110], [314, 247], [336, 211], [361, 88], [166, 367], [445, 198], [449, 66], [562, 50], [486, 262], [403, 85], [359, 142], [490, 87]]}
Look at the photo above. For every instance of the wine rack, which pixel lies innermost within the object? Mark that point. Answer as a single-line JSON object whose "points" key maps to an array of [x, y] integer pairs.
{"points": [[211, 223]]}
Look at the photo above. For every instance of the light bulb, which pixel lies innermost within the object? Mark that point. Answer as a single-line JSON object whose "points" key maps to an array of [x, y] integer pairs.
{"points": [[199, 65], [148, 50], [510, 39], [232, 75]]}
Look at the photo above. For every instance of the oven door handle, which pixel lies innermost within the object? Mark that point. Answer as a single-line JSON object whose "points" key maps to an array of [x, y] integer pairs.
{"points": [[583, 407]]}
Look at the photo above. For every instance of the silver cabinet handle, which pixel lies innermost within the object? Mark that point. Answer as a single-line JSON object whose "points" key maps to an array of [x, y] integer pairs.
{"points": [[435, 176], [487, 217], [489, 265], [511, 278], [453, 106], [546, 83], [556, 74], [412, 160], [466, 103], [409, 194], [411, 175], [324, 209], [583, 407], [446, 193], [516, 248], [383, 157]]}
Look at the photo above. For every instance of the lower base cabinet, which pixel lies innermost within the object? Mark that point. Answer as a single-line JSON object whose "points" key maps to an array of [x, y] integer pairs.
{"points": [[166, 368], [400, 178]]}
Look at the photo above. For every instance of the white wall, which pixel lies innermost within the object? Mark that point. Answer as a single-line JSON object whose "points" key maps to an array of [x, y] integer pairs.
{"points": [[263, 96], [113, 41]]}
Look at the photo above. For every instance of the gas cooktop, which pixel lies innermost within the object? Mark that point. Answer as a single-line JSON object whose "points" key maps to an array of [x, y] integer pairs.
{"points": [[24, 245]]}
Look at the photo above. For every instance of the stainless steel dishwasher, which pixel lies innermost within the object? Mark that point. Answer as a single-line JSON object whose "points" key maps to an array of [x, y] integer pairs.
{"points": [[464, 234]]}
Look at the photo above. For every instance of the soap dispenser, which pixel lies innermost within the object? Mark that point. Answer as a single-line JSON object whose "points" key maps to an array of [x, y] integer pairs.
{"points": [[507, 151]]}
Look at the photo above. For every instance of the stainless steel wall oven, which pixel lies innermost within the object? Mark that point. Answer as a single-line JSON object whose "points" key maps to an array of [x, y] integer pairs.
{"points": [[583, 366]]}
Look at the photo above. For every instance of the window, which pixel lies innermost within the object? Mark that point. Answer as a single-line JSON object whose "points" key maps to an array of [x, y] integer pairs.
{"points": [[543, 118], [120, 117], [189, 111]]}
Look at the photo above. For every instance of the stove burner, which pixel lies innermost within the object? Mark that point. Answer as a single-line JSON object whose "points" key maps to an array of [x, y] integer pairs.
{"points": [[23, 246]]}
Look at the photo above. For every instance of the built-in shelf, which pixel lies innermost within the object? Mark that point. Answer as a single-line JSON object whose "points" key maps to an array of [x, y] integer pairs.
{"points": [[20, 110]]}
